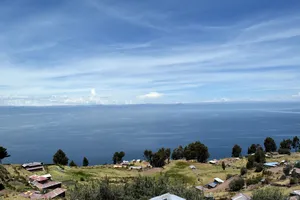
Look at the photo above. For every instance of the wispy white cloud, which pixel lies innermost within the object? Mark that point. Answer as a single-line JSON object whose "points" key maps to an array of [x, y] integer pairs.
{"points": [[151, 95], [126, 51]]}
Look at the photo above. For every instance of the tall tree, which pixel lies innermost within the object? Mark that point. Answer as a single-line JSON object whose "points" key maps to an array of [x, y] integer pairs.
{"points": [[168, 154], [72, 164], [270, 145], [60, 158], [223, 165], [148, 155], [252, 148], [177, 153], [85, 162], [286, 144], [296, 143], [3, 153], [236, 151], [118, 157], [196, 151]]}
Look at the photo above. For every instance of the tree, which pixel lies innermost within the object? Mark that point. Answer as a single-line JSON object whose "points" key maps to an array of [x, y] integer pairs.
{"points": [[243, 171], [3, 153], [177, 153], [236, 151], [252, 148], [223, 165], [72, 164], [286, 144], [270, 145], [85, 162], [268, 193], [237, 184], [148, 155], [296, 143], [196, 151], [158, 159], [259, 156], [287, 169], [60, 158], [168, 154], [118, 157]]}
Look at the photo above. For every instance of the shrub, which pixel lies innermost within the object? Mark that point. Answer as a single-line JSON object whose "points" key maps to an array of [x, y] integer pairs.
{"points": [[259, 167], [268, 194], [81, 179], [228, 176], [297, 165], [223, 165], [237, 184], [287, 169], [236, 151], [243, 171], [250, 163], [293, 181], [284, 151], [253, 180], [137, 188]]}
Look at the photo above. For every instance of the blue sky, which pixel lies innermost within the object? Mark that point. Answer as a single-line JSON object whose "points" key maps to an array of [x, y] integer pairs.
{"points": [[78, 52]]}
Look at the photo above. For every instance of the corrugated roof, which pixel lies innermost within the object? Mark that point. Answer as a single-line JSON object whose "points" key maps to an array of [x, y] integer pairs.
{"points": [[46, 185], [218, 180], [213, 184], [35, 168], [54, 193], [167, 196], [240, 196], [33, 164], [38, 178]]}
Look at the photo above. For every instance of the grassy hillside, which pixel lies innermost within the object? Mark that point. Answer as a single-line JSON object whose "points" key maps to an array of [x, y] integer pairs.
{"points": [[15, 177]]}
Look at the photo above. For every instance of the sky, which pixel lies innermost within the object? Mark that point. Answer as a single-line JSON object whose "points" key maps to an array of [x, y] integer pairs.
{"points": [[77, 52]]}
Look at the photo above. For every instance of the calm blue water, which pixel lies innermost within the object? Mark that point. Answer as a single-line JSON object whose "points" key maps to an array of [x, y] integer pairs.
{"points": [[35, 133]]}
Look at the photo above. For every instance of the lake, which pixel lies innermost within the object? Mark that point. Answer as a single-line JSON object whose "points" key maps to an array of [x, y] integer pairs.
{"points": [[36, 133]]}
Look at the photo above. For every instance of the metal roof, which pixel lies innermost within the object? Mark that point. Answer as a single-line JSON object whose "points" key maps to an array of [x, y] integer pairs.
{"points": [[46, 185], [54, 193], [38, 178], [33, 164], [213, 185], [167, 196], [218, 180], [240, 196]]}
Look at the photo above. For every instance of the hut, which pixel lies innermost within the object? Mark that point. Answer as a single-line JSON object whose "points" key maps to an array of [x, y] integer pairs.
{"points": [[167, 196], [240, 196], [34, 166]]}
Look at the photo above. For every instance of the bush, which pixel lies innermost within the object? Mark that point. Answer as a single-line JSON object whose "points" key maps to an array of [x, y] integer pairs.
{"points": [[228, 176], [293, 181], [287, 169], [81, 179], [243, 171], [236, 151], [259, 167], [253, 180], [250, 163], [268, 194], [297, 165], [237, 184], [137, 188], [284, 151]]}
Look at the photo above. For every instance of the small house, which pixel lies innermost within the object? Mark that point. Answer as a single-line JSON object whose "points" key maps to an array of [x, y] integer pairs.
{"points": [[167, 196], [192, 167], [125, 162], [240, 196], [201, 188], [271, 164], [58, 192], [213, 162], [46, 185], [295, 193], [212, 185], [34, 166], [135, 167], [218, 180]]}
